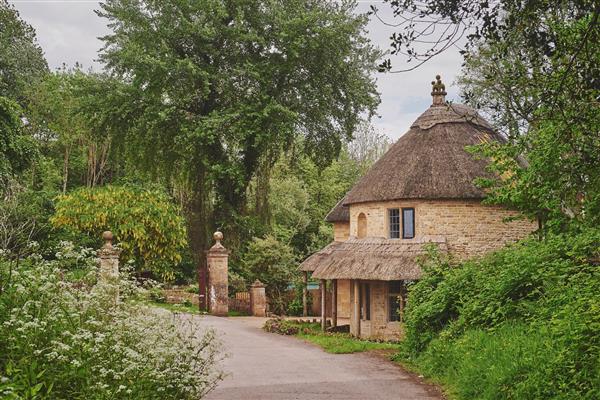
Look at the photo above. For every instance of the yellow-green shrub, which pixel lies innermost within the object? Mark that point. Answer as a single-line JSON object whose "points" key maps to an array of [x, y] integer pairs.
{"points": [[145, 223]]}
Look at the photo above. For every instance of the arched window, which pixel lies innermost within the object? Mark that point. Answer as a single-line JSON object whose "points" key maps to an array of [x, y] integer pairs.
{"points": [[362, 225]]}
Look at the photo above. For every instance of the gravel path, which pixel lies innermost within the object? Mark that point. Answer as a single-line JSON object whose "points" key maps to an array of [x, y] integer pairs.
{"points": [[269, 366]]}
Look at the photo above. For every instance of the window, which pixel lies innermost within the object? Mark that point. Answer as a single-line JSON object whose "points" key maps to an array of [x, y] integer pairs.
{"points": [[394, 223], [365, 302], [362, 225], [408, 223], [396, 293]]}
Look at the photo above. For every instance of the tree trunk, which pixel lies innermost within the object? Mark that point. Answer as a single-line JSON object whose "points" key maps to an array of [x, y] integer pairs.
{"points": [[263, 180], [66, 168], [199, 217]]}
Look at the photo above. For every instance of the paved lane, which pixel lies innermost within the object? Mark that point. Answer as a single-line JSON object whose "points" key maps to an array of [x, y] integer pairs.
{"points": [[269, 366]]}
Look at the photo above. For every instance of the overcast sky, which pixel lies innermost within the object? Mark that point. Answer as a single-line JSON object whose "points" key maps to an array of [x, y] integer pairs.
{"points": [[68, 31]]}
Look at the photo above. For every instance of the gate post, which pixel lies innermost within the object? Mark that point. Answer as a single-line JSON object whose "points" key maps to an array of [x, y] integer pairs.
{"points": [[218, 289], [109, 258], [108, 275], [258, 299]]}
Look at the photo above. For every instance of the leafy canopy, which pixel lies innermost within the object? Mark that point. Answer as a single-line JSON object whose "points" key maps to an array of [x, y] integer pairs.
{"points": [[217, 88], [17, 150], [22, 61], [146, 224], [533, 67]]}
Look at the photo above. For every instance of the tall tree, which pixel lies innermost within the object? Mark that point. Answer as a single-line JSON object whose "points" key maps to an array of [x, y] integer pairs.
{"points": [[61, 114], [17, 150], [22, 61], [218, 88]]}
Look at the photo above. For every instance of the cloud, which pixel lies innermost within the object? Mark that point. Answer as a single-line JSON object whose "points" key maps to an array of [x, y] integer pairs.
{"points": [[68, 31]]}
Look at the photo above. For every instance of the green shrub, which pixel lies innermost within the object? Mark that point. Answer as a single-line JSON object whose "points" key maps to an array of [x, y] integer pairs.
{"points": [[193, 289], [281, 326], [157, 295], [273, 263], [521, 323], [70, 340], [146, 224]]}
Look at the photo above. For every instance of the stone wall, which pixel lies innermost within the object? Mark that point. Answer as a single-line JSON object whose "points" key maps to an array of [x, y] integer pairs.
{"points": [[341, 231], [378, 327], [180, 295], [469, 227], [343, 298]]}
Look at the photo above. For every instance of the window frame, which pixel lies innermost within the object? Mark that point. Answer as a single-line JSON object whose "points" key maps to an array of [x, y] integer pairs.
{"points": [[414, 233], [364, 301], [390, 210], [397, 297]]}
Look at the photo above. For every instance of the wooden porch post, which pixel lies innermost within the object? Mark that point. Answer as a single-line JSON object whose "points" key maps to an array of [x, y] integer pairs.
{"points": [[356, 312], [334, 288], [305, 294], [323, 304]]}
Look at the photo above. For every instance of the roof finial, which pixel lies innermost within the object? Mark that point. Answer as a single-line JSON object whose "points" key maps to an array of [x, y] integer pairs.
{"points": [[438, 91]]}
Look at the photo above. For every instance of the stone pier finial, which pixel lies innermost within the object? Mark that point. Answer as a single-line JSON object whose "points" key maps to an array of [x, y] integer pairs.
{"points": [[107, 236], [218, 236], [438, 91]]}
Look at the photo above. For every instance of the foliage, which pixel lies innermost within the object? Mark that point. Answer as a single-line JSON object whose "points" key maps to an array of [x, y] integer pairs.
{"points": [[145, 223], [525, 319], [295, 307], [331, 342], [236, 283], [24, 226], [63, 339], [273, 263], [17, 150], [217, 89], [289, 202], [533, 66], [343, 343], [22, 61], [56, 113], [157, 295], [551, 123], [426, 29], [281, 326]]}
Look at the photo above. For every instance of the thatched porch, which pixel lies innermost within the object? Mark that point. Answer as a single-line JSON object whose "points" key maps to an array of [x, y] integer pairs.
{"points": [[377, 270]]}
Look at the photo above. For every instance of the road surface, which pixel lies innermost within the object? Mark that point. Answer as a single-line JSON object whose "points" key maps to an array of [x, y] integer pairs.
{"points": [[269, 366]]}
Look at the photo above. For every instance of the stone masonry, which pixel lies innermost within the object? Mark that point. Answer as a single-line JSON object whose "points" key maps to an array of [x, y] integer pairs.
{"points": [[258, 299], [218, 289], [470, 228]]}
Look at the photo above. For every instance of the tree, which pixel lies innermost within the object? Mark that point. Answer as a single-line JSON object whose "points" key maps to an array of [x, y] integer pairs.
{"points": [[22, 61], [273, 263], [17, 150], [367, 146], [218, 88], [145, 223], [533, 66], [60, 114]]}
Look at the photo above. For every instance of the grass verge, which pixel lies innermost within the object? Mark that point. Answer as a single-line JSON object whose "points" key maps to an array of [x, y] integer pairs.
{"points": [[331, 342]]}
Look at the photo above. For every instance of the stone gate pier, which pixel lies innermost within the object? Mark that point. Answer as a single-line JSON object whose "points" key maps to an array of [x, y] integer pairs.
{"points": [[218, 285]]}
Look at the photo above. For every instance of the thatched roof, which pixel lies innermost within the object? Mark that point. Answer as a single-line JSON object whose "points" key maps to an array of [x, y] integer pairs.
{"points": [[370, 259], [339, 212], [430, 161]]}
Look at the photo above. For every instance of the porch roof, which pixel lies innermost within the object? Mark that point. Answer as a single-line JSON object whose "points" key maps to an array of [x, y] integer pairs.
{"points": [[371, 258]]}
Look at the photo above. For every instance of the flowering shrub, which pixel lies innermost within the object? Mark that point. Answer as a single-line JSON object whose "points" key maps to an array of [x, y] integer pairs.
{"points": [[64, 339]]}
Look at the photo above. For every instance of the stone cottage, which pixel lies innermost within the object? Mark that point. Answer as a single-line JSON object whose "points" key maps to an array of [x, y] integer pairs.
{"points": [[421, 191]]}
